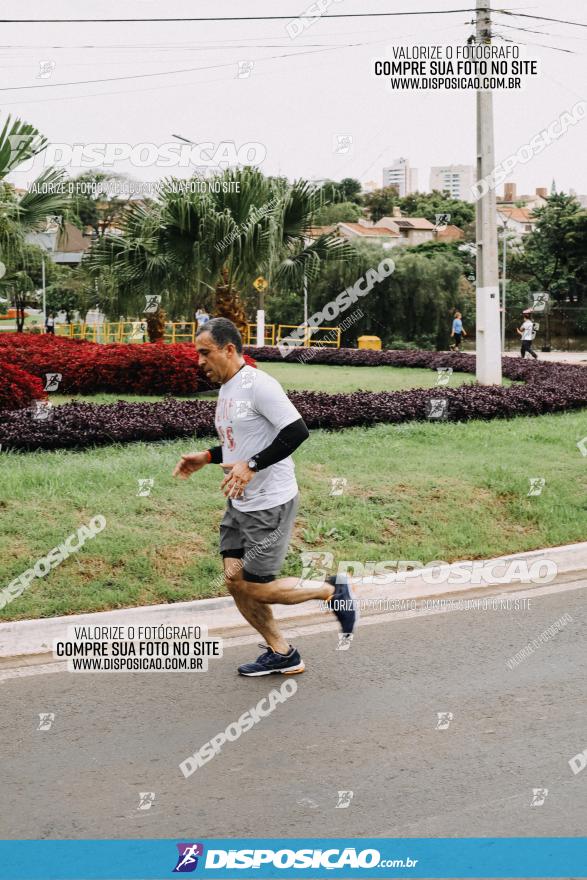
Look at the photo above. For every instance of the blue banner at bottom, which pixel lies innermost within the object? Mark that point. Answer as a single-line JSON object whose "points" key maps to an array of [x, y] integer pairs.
{"points": [[515, 857]]}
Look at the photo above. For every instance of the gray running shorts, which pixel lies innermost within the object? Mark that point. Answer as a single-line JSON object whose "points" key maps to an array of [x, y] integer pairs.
{"points": [[259, 538]]}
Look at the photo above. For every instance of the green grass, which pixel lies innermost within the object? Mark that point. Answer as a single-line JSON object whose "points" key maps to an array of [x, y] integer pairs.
{"points": [[418, 491], [319, 377]]}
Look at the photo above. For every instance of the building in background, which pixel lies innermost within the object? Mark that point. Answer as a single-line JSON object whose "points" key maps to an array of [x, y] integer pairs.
{"points": [[456, 180], [64, 244], [511, 198], [582, 199], [380, 233], [412, 230], [370, 186], [518, 221], [449, 233], [401, 176]]}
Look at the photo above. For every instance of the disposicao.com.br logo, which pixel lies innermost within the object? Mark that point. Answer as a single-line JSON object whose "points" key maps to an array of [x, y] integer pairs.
{"points": [[335, 858], [187, 860]]}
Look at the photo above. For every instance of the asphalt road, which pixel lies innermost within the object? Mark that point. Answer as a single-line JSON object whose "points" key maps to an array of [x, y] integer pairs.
{"points": [[364, 720]]}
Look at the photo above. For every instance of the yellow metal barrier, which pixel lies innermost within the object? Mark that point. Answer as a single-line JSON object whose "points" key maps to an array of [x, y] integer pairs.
{"points": [[251, 337], [111, 332], [309, 335], [185, 331], [180, 331]]}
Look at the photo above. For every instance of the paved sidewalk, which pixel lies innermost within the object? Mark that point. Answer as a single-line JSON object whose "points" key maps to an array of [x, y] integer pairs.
{"points": [[561, 357], [30, 642]]}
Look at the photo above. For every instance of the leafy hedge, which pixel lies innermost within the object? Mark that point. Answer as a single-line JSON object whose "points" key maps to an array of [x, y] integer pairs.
{"points": [[18, 388], [90, 367], [547, 388]]}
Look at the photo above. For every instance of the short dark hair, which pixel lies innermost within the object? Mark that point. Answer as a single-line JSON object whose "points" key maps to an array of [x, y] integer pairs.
{"points": [[222, 332]]}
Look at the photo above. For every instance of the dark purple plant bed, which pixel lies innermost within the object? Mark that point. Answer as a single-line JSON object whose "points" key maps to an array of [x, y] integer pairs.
{"points": [[547, 388], [79, 425]]}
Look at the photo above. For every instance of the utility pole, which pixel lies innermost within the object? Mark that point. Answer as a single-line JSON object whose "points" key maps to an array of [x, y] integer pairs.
{"points": [[487, 343]]}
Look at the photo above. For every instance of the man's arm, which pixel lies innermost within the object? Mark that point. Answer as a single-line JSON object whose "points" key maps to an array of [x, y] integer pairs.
{"points": [[286, 442], [194, 461]]}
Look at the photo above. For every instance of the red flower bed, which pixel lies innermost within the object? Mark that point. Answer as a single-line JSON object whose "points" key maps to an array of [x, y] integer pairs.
{"points": [[18, 388], [90, 367], [548, 388]]}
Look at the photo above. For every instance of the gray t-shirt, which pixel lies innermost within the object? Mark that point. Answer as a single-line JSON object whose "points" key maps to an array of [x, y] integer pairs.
{"points": [[252, 409], [527, 329]]}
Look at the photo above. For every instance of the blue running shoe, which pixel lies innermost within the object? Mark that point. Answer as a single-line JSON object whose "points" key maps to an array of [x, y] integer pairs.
{"points": [[271, 661], [343, 604]]}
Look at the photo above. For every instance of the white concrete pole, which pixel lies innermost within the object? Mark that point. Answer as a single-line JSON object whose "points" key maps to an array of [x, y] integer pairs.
{"points": [[488, 343]]}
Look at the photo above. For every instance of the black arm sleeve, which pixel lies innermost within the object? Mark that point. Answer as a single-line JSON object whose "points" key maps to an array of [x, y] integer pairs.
{"points": [[216, 453], [286, 442]]}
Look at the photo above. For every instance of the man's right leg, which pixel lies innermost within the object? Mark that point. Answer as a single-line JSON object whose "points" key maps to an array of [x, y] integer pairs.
{"points": [[258, 614]]}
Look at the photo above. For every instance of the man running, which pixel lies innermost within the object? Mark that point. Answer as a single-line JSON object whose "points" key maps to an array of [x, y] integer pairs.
{"points": [[258, 428], [526, 331]]}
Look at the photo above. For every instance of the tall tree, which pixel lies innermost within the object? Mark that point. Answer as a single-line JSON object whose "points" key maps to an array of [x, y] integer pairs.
{"points": [[381, 202], [429, 205], [19, 142], [98, 199], [192, 242], [338, 213], [549, 255]]}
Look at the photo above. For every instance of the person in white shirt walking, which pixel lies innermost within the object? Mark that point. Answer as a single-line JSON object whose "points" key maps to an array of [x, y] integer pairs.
{"points": [[258, 428], [526, 331]]}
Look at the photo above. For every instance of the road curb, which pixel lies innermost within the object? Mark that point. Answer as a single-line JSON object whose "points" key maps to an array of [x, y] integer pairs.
{"points": [[31, 641]]}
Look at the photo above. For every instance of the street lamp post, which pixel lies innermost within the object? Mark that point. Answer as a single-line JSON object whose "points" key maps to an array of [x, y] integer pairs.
{"points": [[44, 330], [503, 283], [305, 306]]}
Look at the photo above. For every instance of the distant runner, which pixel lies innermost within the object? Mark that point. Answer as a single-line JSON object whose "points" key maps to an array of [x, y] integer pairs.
{"points": [[526, 331]]}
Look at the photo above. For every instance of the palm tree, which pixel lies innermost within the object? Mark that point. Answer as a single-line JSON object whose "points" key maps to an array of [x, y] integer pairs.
{"points": [[243, 224], [20, 141]]}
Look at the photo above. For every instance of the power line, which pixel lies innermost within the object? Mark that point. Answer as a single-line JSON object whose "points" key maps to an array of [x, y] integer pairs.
{"points": [[44, 100], [228, 17], [179, 70], [512, 27], [155, 88], [540, 45], [162, 60], [540, 17], [172, 48]]}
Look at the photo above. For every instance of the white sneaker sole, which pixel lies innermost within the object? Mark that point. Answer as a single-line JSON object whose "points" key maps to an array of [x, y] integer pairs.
{"points": [[291, 670]]}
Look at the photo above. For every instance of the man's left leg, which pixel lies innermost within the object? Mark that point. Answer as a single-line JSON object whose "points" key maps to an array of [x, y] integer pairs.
{"points": [[266, 536]]}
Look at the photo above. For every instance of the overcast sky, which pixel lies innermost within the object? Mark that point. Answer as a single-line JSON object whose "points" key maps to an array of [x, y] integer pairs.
{"points": [[295, 106]]}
